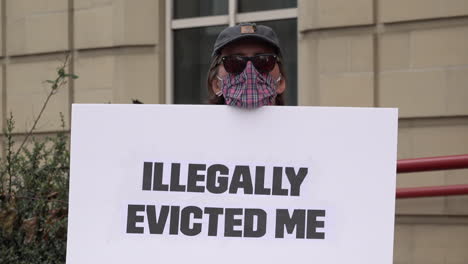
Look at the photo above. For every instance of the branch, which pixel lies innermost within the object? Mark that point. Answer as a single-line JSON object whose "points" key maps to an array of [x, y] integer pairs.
{"points": [[58, 82]]}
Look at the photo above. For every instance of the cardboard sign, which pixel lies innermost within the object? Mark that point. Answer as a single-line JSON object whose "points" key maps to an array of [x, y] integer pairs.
{"points": [[217, 184]]}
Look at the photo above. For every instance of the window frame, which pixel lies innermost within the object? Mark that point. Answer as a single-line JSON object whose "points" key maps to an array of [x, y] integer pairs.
{"points": [[231, 19]]}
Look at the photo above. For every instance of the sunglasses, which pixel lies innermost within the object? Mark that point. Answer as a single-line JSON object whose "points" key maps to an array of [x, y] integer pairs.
{"points": [[235, 64]]}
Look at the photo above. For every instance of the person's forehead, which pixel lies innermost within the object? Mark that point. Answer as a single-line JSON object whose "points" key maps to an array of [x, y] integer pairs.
{"points": [[247, 45]]}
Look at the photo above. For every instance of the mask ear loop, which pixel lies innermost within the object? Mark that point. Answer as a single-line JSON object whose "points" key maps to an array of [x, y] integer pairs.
{"points": [[277, 82], [279, 79], [219, 93]]}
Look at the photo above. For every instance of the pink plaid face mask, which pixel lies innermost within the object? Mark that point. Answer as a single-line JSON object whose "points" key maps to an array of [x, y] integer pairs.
{"points": [[249, 89]]}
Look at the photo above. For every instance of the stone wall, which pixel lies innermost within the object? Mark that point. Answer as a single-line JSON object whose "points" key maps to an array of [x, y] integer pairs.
{"points": [[116, 47], [410, 54]]}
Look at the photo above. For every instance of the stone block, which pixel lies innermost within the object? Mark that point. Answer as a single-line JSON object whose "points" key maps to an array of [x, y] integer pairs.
{"points": [[118, 76], [337, 70], [405, 10], [94, 27], [139, 77], [457, 91], [404, 142], [394, 51], [306, 15], [362, 53], [107, 23], [348, 53], [347, 89], [439, 47], [38, 26], [457, 245], [402, 248], [440, 244], [334, 54], [88, 4], [334, 13], [429, 244], [27, 91], [97, 72], [307, 69], [415, 93], [141, 22], [420, 179], [440, 139]]}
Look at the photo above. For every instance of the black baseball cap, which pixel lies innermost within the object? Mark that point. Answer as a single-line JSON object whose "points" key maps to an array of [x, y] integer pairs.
{"points": [[246, 30]]}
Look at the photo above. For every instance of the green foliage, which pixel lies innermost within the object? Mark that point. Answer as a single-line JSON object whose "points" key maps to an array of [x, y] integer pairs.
{"points": [[34, 178], [33, 200]]}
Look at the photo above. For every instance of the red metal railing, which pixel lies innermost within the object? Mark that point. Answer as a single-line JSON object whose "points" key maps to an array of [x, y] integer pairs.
{"points": [[432, 164]]}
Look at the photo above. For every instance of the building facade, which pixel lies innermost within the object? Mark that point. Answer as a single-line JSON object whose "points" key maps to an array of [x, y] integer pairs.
{"points": [[410, 54]]}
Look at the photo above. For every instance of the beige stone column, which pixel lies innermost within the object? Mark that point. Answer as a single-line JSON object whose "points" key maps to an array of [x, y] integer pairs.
{"points": [[120, 51]]}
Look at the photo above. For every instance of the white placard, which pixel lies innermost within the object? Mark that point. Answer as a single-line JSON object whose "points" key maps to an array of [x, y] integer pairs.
{"points": [[217, 184]]}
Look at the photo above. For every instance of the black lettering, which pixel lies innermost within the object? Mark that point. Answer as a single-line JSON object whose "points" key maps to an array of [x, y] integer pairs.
{"points": [[185, 227], [174, 226], [158, 176], [175, 178], [213, 215], [147, 169], [133, 218], [230, 222], [211, 178], [241, 178], [261, 217], [260, 181], [156, 224], [296, 179], [278, 182], [194, 177], [313, 224], [296, 221]]}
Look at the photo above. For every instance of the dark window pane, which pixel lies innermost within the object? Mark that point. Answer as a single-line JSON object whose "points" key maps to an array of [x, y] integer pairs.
{"points": [[197, 8], [262, 5], [287, 34], [192, 53]]}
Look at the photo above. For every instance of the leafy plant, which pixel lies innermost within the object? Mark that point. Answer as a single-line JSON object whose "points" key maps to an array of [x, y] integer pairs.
{"points": [[34, 191]]}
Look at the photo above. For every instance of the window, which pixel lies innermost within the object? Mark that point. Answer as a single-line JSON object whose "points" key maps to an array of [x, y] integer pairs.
{"points": [[252, 6], [195, 24], [199, 8], [192, 50]]}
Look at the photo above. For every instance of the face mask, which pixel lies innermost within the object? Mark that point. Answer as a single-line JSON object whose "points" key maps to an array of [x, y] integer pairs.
{"points": [[249, 89]]}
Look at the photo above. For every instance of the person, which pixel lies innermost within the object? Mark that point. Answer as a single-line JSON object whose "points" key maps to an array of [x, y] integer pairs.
{"points": [[246, 68]]}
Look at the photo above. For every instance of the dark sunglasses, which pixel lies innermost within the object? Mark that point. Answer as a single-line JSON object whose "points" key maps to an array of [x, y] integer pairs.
{"points": [[235, 64]]}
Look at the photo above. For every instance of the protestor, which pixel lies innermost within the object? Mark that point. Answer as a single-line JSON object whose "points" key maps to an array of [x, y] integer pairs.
{"points": [[246, 68]]}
